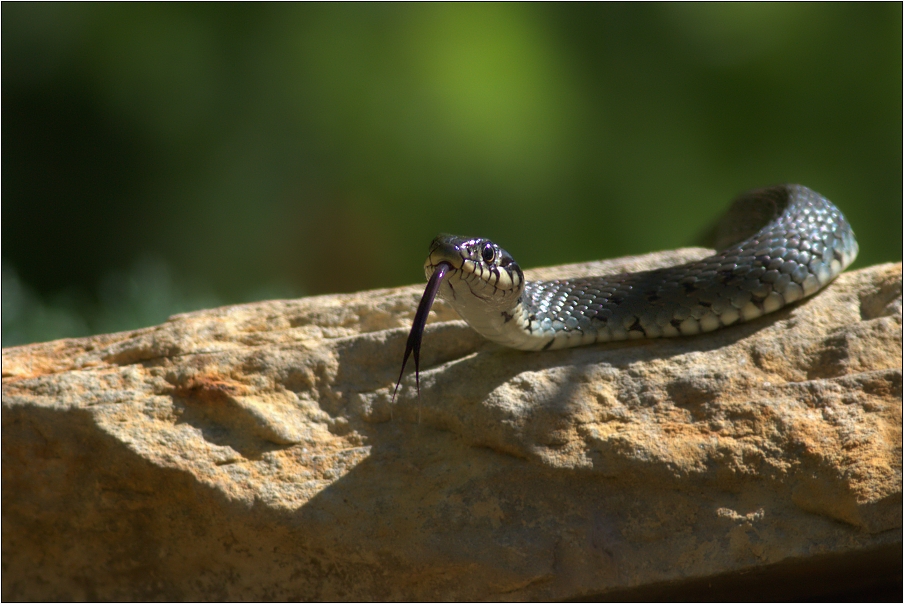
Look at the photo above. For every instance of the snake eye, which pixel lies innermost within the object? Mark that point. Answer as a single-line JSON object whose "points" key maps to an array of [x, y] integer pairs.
{"points": [[488, 253]]}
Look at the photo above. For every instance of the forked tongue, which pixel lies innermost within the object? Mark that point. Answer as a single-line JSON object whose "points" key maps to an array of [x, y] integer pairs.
{"points": [[417, 327]]}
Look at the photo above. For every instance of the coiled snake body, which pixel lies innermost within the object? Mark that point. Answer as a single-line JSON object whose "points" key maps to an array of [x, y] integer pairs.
{"points": [[779, 245]]}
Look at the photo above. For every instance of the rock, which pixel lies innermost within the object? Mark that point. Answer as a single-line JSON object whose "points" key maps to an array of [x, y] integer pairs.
{"points": [[253, 453]]}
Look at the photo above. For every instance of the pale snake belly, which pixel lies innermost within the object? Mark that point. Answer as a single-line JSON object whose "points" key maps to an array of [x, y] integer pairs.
{"points": [[778, 245]]}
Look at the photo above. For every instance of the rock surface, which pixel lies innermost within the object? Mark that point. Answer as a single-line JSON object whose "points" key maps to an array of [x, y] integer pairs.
{"points": [[253, 453]]}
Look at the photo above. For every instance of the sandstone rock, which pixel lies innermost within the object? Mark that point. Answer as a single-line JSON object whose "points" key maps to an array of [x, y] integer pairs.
{"points": [[252, 452]]}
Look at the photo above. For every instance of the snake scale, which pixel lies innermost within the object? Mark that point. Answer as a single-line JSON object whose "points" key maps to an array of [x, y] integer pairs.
{"points": [[778, 245]]}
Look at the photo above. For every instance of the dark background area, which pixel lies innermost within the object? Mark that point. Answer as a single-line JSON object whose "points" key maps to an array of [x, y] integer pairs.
{"points": [[158, 158]]}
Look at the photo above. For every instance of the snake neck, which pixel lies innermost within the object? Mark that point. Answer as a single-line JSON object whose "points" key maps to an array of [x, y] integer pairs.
{"points": [[505, 322]]}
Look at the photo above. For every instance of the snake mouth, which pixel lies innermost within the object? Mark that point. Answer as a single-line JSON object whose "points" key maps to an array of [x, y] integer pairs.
{"points": [[445, 248]]}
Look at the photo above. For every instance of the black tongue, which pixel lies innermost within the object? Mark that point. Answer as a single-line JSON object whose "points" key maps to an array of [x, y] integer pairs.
{"points": [[417, 327]]}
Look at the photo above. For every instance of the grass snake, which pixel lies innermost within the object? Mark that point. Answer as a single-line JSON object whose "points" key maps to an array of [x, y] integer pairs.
{"points": [[778, 245]]}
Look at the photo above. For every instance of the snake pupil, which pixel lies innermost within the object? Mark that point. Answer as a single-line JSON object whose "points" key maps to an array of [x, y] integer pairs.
{"points": [[488, 252]]}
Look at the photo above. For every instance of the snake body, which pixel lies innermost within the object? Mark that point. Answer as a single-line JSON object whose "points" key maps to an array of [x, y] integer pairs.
{"points": [[791, 242]]}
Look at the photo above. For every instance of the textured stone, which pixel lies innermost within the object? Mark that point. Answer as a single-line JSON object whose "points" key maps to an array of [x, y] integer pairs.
{"points": [[252, 452]]}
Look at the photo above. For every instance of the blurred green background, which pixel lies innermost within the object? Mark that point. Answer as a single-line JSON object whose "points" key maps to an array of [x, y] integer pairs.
{"points": [[159, 158]]}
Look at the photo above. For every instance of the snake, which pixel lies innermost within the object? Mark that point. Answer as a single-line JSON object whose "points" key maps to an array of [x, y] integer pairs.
{"points": [[776, 246]]}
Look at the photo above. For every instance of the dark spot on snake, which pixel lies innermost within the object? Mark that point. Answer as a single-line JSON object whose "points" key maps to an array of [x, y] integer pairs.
{"points": [[507, 317], [689, 287], [548, 344], [675, 323]]}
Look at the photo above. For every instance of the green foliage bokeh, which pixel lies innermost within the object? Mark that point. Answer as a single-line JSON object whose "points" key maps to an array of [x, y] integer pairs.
{"points": [[162, 157]]}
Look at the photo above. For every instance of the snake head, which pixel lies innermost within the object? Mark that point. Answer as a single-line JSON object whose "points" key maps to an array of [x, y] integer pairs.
{"points": [[474, 275], [489, 271]]}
